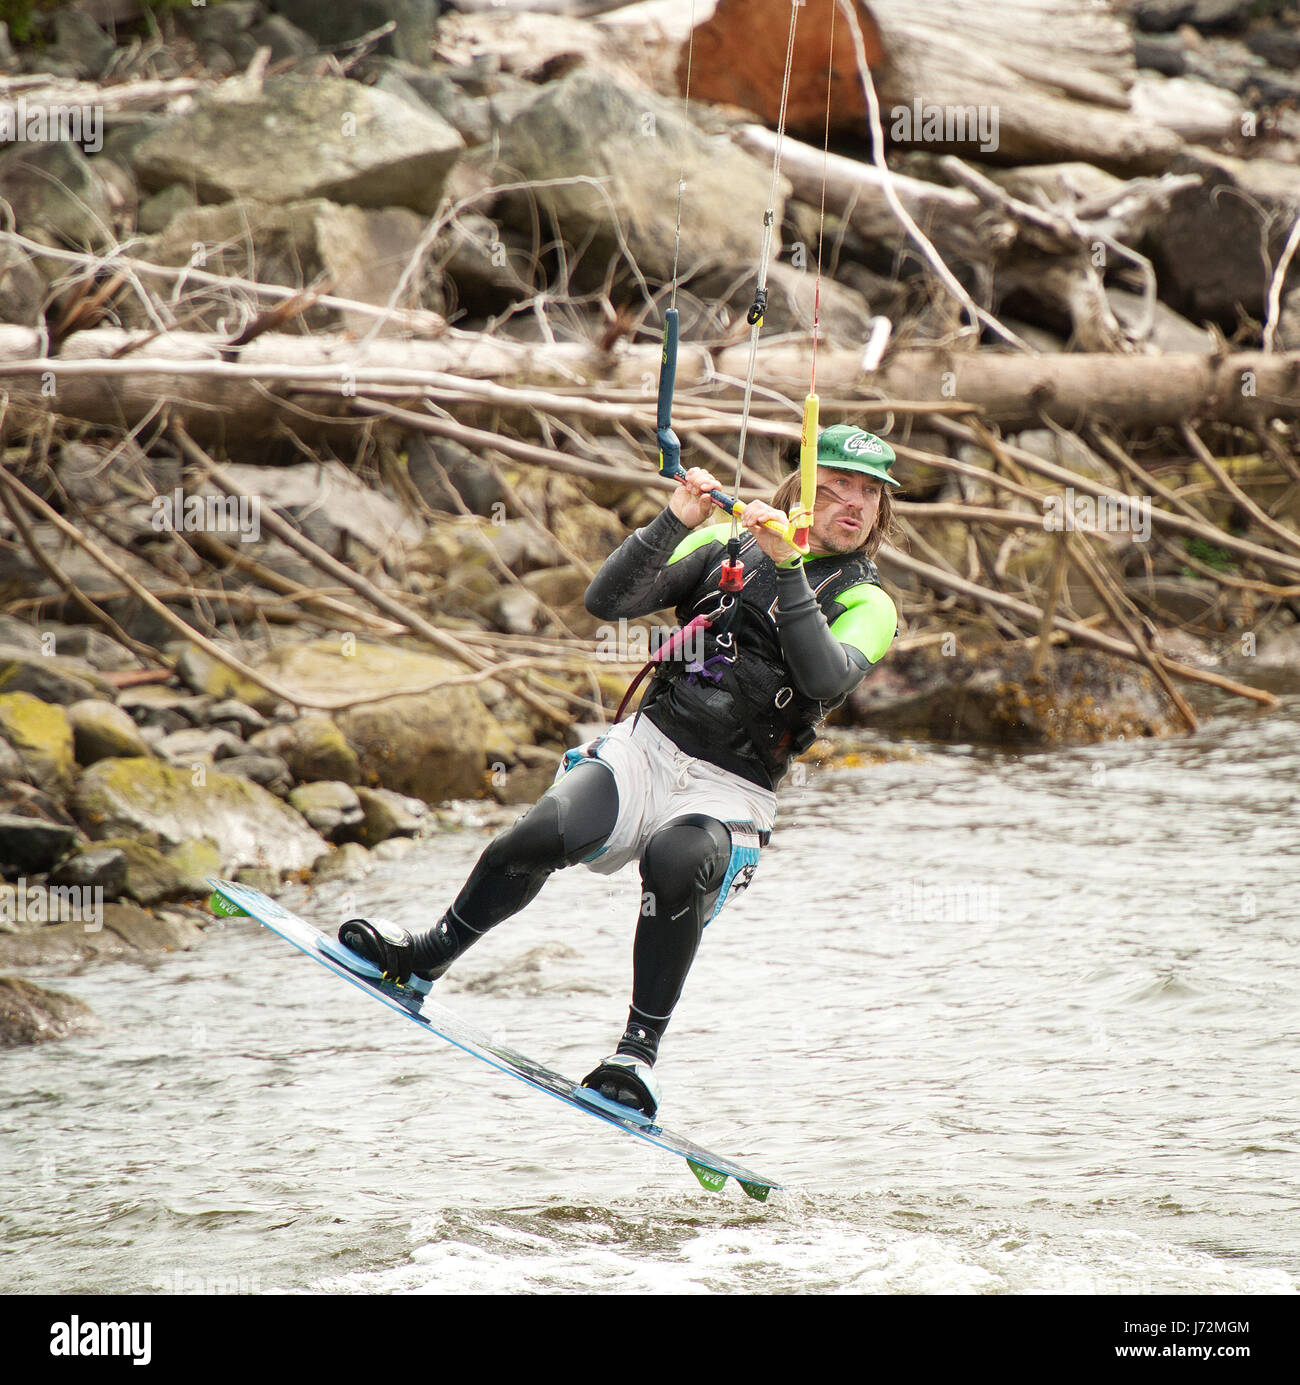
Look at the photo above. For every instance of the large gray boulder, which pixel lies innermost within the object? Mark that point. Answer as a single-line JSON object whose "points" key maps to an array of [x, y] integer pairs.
{"points": [[420, 739], [32, 844], [1170, 332], [50, 677], [311, 748], [389, 814], [54, 189], [471, 116], [361, 251], [639, 145], [333, 507], [146, 799], [333, 25], [30, 1013], [484, 266], [1207, 247], [989, 696], [439, 466], [331, 807], [42, 736], [102, 731], [303, 137], [22, 290], [845, 314], [125, 930], [100, 867], [79, 44]]}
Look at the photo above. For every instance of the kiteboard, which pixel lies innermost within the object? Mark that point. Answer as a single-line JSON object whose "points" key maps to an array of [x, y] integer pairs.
{"points": [[231, 899]]}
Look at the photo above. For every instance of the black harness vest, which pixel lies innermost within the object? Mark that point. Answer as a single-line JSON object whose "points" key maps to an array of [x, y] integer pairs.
{"points": [[731, 699]]}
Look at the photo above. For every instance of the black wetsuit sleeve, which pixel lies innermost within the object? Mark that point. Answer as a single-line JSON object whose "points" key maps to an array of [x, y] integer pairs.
{"points": [[636, 577], [821, 667]]}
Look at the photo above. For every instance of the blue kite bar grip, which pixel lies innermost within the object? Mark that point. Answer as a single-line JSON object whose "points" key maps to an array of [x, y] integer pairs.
{"points": [[667, 372], [670, 454], [670, 466]]}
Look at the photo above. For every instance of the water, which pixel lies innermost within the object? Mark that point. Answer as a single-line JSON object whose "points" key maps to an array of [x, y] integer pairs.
{"points": [[1003, 1024]]}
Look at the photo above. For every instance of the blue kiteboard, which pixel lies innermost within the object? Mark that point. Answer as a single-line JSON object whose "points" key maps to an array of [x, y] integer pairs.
{"points": [[231, 899]]}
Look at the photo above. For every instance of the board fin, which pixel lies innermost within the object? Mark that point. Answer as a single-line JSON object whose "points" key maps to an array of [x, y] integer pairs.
{"points": [[709, 1178], [219, 904], [758, 1191]]}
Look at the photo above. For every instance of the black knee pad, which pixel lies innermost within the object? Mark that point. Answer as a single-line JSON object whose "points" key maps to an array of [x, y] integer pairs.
{"points": [[690, 852]]}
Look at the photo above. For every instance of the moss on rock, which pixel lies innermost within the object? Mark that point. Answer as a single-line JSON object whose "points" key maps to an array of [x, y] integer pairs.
{"points": [[133, 797], [42, 736]]}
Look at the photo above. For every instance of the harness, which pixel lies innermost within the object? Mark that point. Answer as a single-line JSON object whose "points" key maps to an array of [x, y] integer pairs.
{"points": [[721, 619], [729, 642]]}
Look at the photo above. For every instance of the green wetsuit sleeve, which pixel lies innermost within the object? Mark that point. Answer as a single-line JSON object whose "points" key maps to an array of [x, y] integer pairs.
{"points": [[700, 538], [869, 621], [822, 664]]}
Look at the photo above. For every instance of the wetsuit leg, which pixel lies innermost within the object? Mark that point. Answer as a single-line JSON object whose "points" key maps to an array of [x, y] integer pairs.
{"points": [[570, 821], [682, 869]]}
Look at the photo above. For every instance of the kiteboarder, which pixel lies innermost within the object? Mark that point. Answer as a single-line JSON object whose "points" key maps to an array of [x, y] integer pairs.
{"points": [[687, 787]]}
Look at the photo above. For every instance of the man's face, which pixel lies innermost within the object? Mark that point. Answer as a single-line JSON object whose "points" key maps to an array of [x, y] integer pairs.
{"points": [[846, 509]]}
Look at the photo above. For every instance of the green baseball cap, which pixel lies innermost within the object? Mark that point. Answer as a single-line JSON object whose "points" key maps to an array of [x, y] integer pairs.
{"points": [[854, 449]]}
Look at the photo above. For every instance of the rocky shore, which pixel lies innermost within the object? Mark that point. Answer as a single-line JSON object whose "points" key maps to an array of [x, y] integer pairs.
{"points": [[276, 625]]}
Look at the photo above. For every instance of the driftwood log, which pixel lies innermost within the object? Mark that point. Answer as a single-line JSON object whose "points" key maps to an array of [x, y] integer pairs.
{"points": [[1057, 72], [91, 381]]}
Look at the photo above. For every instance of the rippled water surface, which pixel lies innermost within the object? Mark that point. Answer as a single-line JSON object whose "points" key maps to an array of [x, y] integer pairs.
{"points": [[1001, 1024]]}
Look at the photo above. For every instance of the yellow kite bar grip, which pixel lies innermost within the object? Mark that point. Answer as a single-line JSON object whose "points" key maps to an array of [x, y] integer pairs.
{"points": [[737, 508], [807, 474]]}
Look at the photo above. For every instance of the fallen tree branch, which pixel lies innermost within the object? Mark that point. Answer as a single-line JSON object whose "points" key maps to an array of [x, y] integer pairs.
{"points": [[140, 651], [186, 369], [417, 625], [1275, 286], [937, 578], [214, 548], [186, 631], [1263, 519], [1176, 523], [1055, 583], [411, 319], [856, 192], [1085, 560]]}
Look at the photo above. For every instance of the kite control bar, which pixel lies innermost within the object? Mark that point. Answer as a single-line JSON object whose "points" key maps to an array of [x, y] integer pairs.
{"points": [[670, 448]]}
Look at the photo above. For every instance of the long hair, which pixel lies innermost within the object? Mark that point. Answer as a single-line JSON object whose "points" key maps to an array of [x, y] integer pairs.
{"points": [[787, 494]]}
